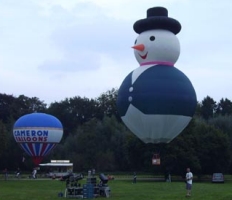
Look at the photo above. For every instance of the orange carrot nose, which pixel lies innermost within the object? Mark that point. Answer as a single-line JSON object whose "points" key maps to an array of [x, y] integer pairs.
{"points": [[139, 47]]}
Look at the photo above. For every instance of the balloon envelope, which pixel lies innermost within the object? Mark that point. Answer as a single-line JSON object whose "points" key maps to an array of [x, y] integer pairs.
{"points": [[158, 104], [37, 134]]}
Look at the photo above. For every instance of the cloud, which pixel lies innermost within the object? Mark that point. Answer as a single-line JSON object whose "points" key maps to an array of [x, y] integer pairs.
{"points": [[62, 48], [71, 64], [83, 41]]}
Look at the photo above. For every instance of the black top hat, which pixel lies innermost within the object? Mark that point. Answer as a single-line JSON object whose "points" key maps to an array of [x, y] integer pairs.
{"points": [[157, 18]]}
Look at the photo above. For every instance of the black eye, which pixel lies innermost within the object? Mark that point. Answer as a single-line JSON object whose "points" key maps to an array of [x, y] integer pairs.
{"points": [[135, 41], [152, 38]]}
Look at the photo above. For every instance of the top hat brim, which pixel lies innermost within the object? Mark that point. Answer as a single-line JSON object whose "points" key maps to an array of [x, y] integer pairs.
{"points": [[158, 22]]}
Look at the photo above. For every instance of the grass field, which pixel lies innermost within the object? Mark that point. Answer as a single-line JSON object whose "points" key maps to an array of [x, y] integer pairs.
{"points": [[26, 189]]}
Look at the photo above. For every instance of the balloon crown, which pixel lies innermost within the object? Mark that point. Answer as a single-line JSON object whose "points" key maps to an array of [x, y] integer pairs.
{"points": [[157, 18]]}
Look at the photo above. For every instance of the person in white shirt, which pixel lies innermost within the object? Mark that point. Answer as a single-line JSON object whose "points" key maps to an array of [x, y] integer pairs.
{"points": [[189, 182], [34, 173]]}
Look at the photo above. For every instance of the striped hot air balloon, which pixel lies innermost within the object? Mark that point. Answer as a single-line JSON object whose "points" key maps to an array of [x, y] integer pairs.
{"points": [[37, 134]]}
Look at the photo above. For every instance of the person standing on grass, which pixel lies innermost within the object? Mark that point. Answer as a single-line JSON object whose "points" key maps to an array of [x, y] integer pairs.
{"points": [[18, 173], [34, 173], [189, 182], [134, 177], [5, 171]]}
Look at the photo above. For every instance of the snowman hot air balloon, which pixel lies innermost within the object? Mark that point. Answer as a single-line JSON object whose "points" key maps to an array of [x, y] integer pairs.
{"points": [[156, 101], [37, 134]]}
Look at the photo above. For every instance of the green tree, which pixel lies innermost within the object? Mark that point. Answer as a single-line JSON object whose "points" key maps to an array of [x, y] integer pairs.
{"points": [[99, 144], [6, 101], [223, 123], [213, 148], [3, 137], [14, 107], [181, 152], [198, 110], [107, 103], [200, 146], [24, 105], [73, 112], [208, 107], [224, 107]]}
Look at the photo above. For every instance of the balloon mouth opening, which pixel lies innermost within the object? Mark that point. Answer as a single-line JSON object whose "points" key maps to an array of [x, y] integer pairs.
{"points": [[37, 160]]}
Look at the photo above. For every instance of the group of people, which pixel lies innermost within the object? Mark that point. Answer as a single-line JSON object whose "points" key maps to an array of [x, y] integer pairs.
{"points": [[5, 172], [188, 178], [18, 173], [34, 172]]}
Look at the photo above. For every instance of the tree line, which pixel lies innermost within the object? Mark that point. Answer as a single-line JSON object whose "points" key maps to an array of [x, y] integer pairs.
{"points": [[95, 137]]}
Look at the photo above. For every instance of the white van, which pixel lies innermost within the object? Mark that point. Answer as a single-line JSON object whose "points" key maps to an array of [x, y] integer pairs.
{"points": [[218, 178], [58, 168]]}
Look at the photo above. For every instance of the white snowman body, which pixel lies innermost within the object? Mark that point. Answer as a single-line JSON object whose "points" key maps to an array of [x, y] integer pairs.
{"points": [[156, 101]]}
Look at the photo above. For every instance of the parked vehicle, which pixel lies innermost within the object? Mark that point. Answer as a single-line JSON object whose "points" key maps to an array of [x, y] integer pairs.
{"points": [[58, 168], [218, 178]]}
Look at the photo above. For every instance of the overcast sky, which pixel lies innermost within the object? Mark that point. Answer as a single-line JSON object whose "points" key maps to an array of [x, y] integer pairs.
{"points": [[57, 49]]}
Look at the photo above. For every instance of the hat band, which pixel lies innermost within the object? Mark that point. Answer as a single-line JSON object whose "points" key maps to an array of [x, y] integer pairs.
{"points": [[157, 63]]}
